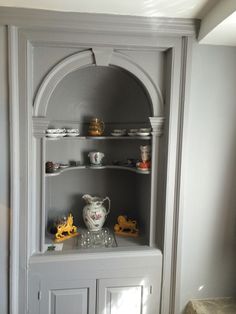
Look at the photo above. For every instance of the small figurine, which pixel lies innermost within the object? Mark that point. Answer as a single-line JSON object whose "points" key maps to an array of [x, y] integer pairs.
{"points": [[126, 227], [145, 164], [66, 230]]}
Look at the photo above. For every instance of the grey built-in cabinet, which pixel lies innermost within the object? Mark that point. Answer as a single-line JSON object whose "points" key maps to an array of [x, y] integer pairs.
{"points": [[131, 74]]}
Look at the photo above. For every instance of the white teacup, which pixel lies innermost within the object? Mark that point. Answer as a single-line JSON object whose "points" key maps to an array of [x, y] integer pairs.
{"points": [[96, 158], [119, 131]]}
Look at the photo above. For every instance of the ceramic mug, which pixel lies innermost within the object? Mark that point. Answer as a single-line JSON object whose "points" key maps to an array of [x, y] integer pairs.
{"points": [[96, 158]]}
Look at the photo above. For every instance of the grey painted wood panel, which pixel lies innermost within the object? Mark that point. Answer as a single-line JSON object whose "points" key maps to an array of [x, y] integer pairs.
{"points": [[62, 296], [118, 297], [31, 37], [72, 300], [4, 174], [127, 295], [44, 58], [107, 23]]}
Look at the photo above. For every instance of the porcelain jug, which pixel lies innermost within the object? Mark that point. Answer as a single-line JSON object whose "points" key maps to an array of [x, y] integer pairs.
{"points": [[94, 213]]}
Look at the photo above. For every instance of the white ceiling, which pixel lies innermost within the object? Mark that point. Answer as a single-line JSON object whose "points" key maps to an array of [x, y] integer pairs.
{"points": [[218, 25], [224, 33], [167, 8]]}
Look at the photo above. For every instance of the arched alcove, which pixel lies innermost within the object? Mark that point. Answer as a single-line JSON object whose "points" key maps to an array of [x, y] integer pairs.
{"points": [[112, 79], [110, 93]]}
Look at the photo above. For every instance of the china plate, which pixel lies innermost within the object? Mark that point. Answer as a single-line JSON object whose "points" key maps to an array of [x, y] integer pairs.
{"points": [[55, 134], [132, 133], [118, 134], [55, 131], [64, 166], [72, 134], [143, 133]]}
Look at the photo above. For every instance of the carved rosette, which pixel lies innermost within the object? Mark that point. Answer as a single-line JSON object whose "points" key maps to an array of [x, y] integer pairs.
{"points": [[157, 124]]}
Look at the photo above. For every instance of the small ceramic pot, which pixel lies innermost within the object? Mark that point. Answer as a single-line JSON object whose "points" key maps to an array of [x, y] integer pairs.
{"points": [[96, 127], [96, 158]]}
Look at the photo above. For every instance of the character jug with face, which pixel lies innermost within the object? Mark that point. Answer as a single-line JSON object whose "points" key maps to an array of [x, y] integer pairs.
{"points": [[95, 213]]}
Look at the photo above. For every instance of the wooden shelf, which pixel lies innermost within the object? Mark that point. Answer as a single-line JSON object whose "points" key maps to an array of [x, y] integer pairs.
{"points": [[98, 138], [72, 244], [58, 172]]}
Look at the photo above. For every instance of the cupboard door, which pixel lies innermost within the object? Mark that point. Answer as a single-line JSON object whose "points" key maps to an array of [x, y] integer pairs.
{"points": [[74, 297], [124, 296], [73, 300]]}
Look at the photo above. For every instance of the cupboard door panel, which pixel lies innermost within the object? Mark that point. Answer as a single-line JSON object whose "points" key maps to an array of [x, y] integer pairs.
{"points": [[73, 300], [124, 300], [123, 296], [68, 296]]}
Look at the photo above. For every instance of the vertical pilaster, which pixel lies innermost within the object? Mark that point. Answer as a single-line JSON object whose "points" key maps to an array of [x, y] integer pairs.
{"points": [[39, 127], [157, 124]]}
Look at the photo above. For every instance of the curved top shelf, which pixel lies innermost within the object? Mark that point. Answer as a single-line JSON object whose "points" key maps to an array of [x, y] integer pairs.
{"points": [[58, 172], [97, 138]]}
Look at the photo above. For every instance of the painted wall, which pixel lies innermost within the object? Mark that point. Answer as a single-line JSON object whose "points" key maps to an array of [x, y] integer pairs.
{"points": [[4, 174], [209, 172]]}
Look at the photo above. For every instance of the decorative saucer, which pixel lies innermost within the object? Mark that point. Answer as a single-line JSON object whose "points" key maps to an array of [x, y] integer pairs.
{"points": [[117, 134], [143, 133], [72, 134], [55, 135], [63, 166]]}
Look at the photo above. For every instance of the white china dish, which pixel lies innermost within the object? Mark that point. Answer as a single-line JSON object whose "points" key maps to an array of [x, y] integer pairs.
{"points": [[52, 131], [72, 134], [144, 130], [143, 133], [55, 135], [69, 131], [63, 166], [133, 130], [55, 131], [119, 132]]}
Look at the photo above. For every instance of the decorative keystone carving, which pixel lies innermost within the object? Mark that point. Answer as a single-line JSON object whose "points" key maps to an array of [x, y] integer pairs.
{"points": [[102, 56], [157, 124], [39, 126]]}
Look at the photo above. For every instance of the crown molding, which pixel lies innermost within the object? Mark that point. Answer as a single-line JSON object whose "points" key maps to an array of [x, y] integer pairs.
{"points": [[93, 22]]}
